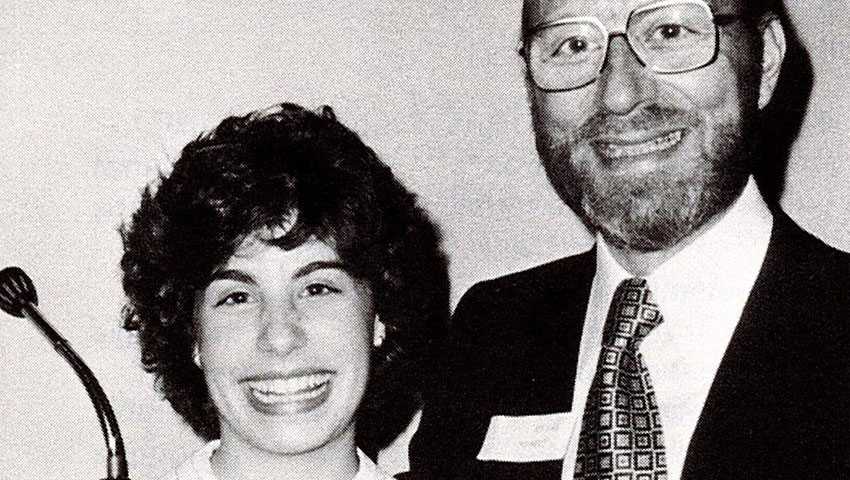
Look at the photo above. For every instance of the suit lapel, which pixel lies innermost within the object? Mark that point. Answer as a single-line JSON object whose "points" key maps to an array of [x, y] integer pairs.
{"points": [[563, 327], [742, 399], [554, 311], [542, 353]]}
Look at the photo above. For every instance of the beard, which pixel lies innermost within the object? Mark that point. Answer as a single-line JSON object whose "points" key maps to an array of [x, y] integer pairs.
{"points": [[654, 210]]}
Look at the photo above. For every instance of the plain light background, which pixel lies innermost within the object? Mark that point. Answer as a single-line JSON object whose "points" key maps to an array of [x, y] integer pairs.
{"points": [[96, 97]]}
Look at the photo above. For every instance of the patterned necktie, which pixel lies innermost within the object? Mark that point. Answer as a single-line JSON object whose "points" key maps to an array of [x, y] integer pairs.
{"points": [[621, 436]]}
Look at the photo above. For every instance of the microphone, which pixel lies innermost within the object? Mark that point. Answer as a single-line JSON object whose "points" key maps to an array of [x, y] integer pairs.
{"points": [[18, 298]]}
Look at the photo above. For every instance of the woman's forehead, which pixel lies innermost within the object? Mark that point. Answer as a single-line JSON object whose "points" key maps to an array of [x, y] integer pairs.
{"points": [[255, 250]]}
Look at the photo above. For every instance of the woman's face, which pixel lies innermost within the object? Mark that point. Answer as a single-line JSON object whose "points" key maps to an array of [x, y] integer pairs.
{"points": [[284, 340]]}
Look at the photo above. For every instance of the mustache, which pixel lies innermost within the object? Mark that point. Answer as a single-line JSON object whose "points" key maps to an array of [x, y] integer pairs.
{"points": [[649, 117]]}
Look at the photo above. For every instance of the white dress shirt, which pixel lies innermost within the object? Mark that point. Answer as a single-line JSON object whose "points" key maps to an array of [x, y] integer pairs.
{"points": [[701, 293], [199, 467]]}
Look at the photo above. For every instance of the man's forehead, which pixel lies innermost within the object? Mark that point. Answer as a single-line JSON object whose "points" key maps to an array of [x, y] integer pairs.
{"points": [[546, 10], [542, 11]]}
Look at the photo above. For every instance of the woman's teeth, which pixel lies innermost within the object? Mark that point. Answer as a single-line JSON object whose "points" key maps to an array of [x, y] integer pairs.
{"points": [[617, 150], [290, 390]]}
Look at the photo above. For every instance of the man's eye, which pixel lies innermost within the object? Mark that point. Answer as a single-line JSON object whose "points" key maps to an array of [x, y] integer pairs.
{"points": [[572, 47], [670, 31], [318, 289], [576, 45], [235, 298]]}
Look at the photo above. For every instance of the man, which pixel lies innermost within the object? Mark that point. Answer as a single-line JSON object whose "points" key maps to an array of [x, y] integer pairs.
{"points": [[705, 335]]}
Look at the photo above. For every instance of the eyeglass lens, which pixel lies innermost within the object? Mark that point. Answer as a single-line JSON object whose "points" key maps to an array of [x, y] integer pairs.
{"points": [[668, 38]]}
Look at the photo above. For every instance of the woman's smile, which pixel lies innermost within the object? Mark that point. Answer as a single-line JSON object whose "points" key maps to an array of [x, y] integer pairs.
{"points": [[292, 394]]}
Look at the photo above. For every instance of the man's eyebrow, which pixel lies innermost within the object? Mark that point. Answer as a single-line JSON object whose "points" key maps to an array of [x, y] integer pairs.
{"points": [[321, 265], [231, 274]]}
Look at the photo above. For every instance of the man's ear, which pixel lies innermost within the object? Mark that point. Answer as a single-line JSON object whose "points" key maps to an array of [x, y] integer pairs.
{"points": [[773, 39]]}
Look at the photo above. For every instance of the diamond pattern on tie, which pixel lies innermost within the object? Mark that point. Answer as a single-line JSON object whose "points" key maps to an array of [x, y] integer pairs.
{"points": [[621, 437]]}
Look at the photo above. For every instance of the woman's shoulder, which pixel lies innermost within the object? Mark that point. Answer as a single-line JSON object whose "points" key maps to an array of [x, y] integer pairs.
{"points": [[196, 467]]}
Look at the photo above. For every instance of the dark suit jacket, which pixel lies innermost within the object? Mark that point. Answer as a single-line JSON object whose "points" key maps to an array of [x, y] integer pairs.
{"points": [[779, 406]]}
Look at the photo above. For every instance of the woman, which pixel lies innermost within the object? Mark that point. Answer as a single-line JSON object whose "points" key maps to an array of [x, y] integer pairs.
{"points": [[283, 284]]}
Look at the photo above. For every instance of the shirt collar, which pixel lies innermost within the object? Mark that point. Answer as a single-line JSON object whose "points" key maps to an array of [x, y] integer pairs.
{"points": [[368, 470], [723, 263], [736, 243], [203, 466]]}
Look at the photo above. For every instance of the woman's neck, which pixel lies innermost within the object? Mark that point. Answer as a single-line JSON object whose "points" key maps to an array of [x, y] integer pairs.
{"points": [[237, 459]]}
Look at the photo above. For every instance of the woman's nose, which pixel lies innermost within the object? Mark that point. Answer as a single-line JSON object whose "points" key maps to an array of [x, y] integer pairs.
{"points": [[282, 331]]}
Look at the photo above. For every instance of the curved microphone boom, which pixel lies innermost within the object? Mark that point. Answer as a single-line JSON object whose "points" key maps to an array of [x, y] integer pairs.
{"points": [[18, 298]]}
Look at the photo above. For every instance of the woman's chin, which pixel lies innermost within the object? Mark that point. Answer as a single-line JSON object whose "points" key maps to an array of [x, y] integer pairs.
{"points": [[293, 424], [300, 439]]}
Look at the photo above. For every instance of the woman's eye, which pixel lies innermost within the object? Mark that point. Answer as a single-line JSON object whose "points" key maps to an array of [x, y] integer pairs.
{"points": [[318, 289], [235, 298]]}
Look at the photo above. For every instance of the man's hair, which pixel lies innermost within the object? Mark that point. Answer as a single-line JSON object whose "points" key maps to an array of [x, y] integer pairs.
{"points": [[750, 9], [253, 172]]}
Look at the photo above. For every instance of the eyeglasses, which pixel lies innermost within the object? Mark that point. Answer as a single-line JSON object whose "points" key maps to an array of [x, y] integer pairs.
{"points": [[670, 36]]}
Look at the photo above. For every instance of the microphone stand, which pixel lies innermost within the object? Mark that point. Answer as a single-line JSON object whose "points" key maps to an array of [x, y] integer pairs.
{"points": [[18, 298]]}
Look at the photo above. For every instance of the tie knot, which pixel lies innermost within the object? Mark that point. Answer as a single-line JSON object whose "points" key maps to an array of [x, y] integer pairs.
{"points": [[632, 315]]}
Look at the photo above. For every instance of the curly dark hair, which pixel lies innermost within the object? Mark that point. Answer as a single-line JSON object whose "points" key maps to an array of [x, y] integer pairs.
{"points": [[252, 172]]}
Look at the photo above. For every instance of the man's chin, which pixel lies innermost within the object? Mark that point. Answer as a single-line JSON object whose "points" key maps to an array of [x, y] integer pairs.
{"points": [[641, 236], [648, 204], [653, 217]]}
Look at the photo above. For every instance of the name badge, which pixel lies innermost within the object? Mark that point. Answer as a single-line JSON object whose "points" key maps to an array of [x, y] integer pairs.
{"points": [[529, 438]]}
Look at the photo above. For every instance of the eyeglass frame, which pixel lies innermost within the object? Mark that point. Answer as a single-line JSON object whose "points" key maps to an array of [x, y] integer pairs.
{"points": [[719, 20]]}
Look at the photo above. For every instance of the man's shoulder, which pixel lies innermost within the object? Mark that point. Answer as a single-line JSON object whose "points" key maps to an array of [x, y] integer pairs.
{"points": [[798, 249], [558, 279], [805, 282], [566, 269]]}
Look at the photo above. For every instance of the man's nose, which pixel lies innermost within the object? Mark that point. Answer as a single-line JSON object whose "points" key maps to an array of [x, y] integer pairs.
{"points": [[282, 330], [624, 82]]}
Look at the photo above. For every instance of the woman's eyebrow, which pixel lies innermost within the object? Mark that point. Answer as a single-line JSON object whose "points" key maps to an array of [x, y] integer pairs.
{"points": [[320, 265], [231, 274]]}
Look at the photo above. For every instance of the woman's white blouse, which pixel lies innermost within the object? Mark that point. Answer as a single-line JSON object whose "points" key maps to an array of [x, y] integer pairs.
{"points": [[198, 467]]}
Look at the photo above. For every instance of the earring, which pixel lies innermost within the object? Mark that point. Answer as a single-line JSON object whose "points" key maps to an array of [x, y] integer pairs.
{"points": [[196, 356], [380, 332]]}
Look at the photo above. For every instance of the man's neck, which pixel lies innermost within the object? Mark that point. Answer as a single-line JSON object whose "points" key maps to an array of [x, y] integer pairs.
{"points": [[642, 263]]}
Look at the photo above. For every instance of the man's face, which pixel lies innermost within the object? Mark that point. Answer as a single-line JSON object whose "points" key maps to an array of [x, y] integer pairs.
{"points": [[645, 157]]}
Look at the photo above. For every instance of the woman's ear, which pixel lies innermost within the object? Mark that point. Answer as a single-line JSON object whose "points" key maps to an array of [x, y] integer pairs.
{"points": [[196, 356], [773, 54], [380, 332]]}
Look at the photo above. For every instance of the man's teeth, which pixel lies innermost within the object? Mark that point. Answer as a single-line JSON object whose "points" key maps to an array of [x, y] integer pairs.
{"points": [[290, 390], [614, 150]]}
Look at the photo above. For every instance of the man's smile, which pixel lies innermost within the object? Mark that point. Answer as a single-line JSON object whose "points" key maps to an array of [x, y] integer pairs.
{"points": [[622, 146]]}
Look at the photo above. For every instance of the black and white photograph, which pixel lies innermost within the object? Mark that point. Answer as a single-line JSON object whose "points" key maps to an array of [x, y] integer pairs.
{"points": [[370, 240]]}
